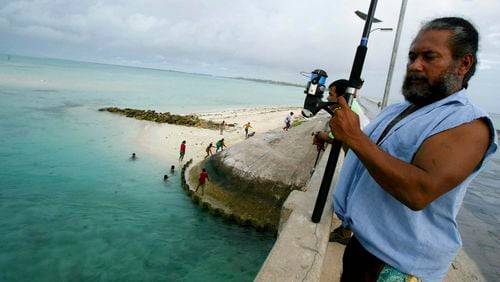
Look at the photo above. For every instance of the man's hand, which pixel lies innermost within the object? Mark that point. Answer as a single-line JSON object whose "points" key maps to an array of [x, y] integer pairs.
{"points": [[345, 124], [319, 139]]}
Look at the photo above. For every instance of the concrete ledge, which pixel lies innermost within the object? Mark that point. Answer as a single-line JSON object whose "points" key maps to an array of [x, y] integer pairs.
{"points": [[300, 249]]}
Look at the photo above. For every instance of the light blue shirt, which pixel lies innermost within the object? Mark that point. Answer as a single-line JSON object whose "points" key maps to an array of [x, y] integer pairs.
{"points": [[422, 243]]}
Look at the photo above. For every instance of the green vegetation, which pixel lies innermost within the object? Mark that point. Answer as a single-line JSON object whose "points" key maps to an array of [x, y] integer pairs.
{"points": [[297, 122], [151, 115]]}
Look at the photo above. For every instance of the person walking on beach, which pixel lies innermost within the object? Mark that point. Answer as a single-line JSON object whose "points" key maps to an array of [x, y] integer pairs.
{"points": [[247, 126], [404, 177], [209, 150], [202, 181], [183, 150], [222, 126], [288, 121], [220, 145]]}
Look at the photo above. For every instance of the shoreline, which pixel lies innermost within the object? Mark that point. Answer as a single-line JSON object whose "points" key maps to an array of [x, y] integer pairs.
{"points": [[163, 140]]}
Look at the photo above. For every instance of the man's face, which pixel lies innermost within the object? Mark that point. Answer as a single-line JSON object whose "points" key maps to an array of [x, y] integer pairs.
{"points": [[431, 73], [332, 94]]}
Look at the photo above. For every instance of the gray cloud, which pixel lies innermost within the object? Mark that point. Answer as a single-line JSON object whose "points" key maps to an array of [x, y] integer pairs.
{"points": [[266, 39]]}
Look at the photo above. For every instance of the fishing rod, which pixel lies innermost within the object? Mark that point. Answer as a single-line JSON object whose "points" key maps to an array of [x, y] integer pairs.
{"points": [[313, 104]]}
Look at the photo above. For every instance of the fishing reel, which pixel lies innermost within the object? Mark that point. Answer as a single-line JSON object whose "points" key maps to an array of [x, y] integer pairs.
{"points": [[314, 93], [315, 89]]}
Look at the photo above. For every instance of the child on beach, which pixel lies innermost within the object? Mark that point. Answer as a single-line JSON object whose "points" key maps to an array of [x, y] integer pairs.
{"points": [[247, 126], [209, 150], [201, 181], [183, 150], [220, 145], [222, 126], [288, 121]]}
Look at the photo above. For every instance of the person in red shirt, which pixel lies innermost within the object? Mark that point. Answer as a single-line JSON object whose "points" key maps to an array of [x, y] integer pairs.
{"points": [[201, 181], [183, 150]]}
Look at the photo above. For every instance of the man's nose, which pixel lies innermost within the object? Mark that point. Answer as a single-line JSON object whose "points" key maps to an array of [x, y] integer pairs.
{"points": [[416, 65]]}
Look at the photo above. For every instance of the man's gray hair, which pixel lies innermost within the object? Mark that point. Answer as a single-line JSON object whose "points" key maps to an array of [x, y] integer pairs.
{"points": [[464, 40]]}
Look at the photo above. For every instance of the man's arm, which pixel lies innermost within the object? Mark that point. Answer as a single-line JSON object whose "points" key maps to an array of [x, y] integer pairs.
{"points": [[442, 162]]}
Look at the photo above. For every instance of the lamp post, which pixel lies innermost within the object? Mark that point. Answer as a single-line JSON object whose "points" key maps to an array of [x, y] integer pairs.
{"points": [[394, 53], [394, 49]]}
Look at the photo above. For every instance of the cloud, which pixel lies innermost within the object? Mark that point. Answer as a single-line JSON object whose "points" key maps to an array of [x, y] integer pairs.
{"points": [[233, 35], [494, 38], [489, 61]]}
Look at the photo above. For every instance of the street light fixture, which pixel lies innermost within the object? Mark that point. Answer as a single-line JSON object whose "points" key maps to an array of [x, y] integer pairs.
{"points": [[363, 16]]}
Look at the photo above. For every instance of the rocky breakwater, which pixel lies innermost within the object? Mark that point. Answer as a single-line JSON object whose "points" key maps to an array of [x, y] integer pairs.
{"points": [[167, 117], [250, 181]]}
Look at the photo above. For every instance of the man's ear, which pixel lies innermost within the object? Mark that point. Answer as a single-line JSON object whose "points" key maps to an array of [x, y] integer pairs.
{"points": [[465, 64]]}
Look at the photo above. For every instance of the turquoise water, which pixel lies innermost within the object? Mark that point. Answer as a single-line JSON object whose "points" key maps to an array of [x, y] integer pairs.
{"points": [[74, 207]]}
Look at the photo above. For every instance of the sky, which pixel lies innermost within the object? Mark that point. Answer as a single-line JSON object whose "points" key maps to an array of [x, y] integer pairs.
{"points": [[267, 39]]}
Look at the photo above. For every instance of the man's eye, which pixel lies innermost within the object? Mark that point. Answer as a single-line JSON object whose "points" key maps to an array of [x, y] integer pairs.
{"points": [[430, 56]]}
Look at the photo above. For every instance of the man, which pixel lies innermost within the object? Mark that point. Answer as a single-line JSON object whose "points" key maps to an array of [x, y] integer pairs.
{"points": [[201, 181], [288, 121], [404, 178], [182, 151]]}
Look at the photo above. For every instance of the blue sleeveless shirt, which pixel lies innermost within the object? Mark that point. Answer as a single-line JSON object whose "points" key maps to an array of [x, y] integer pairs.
{"points": [[422, 243]]}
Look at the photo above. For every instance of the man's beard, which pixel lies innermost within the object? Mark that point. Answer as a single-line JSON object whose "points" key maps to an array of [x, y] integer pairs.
{"points": [[419, 91]]}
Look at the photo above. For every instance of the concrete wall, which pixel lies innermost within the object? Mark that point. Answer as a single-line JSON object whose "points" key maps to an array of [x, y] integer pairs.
{"points": [[300, 249]]}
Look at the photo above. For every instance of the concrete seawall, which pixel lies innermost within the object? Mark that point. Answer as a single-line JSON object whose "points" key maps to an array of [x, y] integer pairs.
{"points": [[301, 247]]}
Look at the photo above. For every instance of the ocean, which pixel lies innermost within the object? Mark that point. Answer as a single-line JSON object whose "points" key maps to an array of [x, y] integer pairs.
{"points": [[74, 206]]}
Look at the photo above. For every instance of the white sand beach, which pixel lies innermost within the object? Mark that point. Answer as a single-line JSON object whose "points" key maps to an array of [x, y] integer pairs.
{"points": [[165, 139]]}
